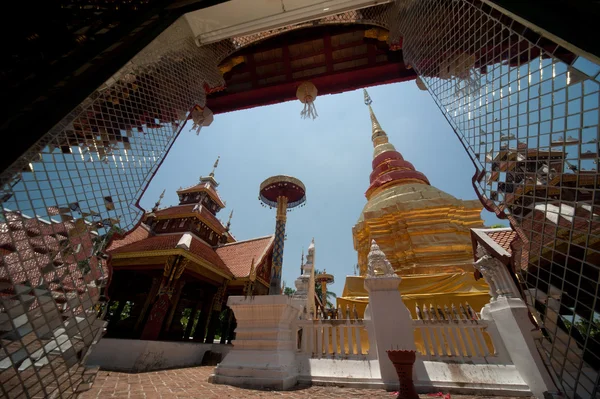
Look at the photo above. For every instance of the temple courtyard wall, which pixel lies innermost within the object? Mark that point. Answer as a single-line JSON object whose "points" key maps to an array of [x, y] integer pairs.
{"points": [[136, 356]]}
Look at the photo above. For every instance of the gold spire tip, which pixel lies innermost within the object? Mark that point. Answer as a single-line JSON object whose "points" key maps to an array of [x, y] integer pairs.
{"points": [[377, 130]]}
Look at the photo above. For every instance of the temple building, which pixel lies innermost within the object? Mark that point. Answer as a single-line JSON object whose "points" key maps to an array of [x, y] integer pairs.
{"points": [[423, 231], [182, 263]]}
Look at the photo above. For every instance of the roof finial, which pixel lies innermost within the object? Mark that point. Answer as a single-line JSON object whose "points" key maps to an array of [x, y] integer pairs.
{"points": [[229, 220], [378, 134], [252, 274], [157, 204], [212, 174]]}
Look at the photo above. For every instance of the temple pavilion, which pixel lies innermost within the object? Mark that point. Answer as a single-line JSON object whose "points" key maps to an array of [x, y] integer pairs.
{"points": [[423, 231], [181, 264]]}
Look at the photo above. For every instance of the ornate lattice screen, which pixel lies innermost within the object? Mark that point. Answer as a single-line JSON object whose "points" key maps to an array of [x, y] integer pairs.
{"points": [[69, 193], [526, 111]]}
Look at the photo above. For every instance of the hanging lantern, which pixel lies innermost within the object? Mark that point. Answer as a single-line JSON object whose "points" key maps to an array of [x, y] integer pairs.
{"points": [[201, 117], [420, 84], [307, 93]]}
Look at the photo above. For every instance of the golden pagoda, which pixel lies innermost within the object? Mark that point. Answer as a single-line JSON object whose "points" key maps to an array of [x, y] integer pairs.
{"points": [[423, 231]]}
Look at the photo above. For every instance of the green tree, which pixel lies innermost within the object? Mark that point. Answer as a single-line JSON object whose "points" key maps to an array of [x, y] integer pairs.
{"points": [[582, 325], [289, 291], [124, 313], [497, 226], [185, 319]]}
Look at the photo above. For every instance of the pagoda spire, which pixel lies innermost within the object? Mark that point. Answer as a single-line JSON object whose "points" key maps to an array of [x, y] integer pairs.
{"points": [[389, 167], [378, 135], [157, 204], [302, 263], [212, 174]]}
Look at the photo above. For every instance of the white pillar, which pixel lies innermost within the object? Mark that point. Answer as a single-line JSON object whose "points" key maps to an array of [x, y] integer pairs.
{"points": [[391, 320], [264, 350], [511, 317]]}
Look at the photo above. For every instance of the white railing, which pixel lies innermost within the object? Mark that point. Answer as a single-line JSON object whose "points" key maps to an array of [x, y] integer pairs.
{"points": [[476, 341], [338, 339]]}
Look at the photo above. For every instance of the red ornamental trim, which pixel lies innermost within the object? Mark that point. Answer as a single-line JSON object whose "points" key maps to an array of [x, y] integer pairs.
{"points": [[210, 90], [397, 175], [388, 166], [384, 156], [400, 175]]}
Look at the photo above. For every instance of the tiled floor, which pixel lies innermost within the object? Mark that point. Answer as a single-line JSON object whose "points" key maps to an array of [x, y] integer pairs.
{"points": [[193, 383]]}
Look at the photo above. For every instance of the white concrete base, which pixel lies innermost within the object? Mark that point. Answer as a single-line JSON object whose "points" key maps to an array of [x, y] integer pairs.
{"points": [[135, 356], [393, 329], [512, 320], [263, 354], [346, 373], [469, 379]]}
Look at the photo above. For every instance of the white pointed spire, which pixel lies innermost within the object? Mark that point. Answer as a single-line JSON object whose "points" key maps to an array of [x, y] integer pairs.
{"points": [[212, 174]]}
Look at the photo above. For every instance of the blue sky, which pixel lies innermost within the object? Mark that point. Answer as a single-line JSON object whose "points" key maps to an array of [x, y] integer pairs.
{"points": [[331, 155]]}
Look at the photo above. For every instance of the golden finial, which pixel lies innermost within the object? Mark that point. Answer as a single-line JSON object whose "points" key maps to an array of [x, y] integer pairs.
{"points": [[229, 220], [378, 135], [212, 174]]}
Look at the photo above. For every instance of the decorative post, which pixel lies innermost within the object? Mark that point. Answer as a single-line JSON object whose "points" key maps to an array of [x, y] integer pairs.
{"points": [[216, 311], [284, 193], [151, 295], [392, 321], [324, 279], [264, 350], [511, 316], [175, 306], [172, 272]]}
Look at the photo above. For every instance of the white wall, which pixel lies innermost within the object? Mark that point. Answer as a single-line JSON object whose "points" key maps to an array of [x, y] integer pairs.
{"points": [[134, 355]]}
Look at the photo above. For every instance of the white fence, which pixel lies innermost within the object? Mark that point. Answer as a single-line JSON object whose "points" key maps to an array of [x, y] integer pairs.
{"points": [[474, 341], [461, 339], [337, 339]]}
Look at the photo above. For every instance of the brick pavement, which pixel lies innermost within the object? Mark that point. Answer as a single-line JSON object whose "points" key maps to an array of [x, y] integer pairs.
{"points": [[193, 383]]}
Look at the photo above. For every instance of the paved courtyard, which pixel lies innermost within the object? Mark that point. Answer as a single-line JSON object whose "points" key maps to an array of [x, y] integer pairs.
{"points": [[193, 383]]}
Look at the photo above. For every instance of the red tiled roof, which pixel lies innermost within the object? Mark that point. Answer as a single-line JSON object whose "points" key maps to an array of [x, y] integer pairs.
{"points": [[238, 256], [169, 241], [542, 231], [185, 209], [503, 238], [137, 234]]}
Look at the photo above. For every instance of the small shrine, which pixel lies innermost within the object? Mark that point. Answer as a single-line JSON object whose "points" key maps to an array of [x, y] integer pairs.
{"points": [[174, 272]]}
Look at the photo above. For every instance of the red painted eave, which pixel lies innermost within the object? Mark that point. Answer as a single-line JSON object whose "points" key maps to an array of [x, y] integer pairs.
{"points": [[326, 84]]}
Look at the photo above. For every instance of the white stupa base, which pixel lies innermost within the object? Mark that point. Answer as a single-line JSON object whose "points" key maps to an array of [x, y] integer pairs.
{"points": [[263, 354]]}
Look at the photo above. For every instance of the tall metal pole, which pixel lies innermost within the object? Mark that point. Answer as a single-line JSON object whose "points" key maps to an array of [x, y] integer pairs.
{"points": [[280, 219]]}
